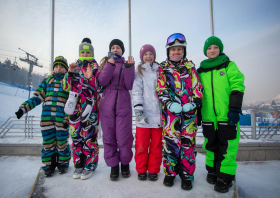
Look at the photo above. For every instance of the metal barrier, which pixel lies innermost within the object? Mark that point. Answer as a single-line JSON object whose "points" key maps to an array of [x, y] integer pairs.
{"points": [[29, 127]]}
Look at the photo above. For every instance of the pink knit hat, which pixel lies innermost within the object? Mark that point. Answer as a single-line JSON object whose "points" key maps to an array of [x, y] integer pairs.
{"points": [[146, 48]]}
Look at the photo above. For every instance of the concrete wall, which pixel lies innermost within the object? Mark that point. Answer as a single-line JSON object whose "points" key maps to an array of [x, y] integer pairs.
{"points": [[246, 152]]}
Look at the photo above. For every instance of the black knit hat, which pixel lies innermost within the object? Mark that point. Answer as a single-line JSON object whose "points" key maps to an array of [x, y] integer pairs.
{"points": [[60, 60], [117, 42]]}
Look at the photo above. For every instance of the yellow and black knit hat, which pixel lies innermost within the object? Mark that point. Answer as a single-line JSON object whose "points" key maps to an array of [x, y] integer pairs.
{"points": [[60, 60]]}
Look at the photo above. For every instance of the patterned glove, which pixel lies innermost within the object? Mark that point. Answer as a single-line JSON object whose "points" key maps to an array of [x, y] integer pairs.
{"points": [[174, 107], [140, 117], [19, 113], [233, 116], [189, 107]]}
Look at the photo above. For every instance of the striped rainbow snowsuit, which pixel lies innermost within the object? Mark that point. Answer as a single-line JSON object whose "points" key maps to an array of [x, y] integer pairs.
{"points": [[56, 151]]}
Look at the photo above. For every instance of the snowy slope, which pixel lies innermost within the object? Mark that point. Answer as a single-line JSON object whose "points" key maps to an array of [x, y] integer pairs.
{"points": [[11, 98], [276, 100]]}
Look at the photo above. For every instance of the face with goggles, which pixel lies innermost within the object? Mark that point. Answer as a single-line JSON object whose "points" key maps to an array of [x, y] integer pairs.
{"points": [[176, 39], [177, 50]]}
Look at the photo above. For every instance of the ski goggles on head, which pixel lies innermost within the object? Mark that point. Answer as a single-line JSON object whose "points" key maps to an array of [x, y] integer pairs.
{"points": [[177, 36]]}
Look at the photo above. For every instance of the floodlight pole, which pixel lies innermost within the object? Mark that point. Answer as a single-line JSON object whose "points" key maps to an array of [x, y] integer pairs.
{"points": [[129, 26], [211, 18], [52, 34]]}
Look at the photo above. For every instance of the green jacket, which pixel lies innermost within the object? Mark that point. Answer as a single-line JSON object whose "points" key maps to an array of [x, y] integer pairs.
{"points": [[223, 89]]}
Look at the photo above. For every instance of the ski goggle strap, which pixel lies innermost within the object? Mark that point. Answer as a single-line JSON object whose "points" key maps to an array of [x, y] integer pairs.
{"points": [[177, 36]]}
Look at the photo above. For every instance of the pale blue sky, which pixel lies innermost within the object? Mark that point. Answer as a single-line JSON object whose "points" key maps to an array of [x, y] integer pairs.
{"points": [[250, 31]]}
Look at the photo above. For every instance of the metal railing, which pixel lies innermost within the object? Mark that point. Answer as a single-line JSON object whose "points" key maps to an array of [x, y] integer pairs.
{"points": [[29, 127]]}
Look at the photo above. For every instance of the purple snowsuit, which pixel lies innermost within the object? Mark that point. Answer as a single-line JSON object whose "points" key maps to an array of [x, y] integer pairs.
{"points": [[116, 112]]}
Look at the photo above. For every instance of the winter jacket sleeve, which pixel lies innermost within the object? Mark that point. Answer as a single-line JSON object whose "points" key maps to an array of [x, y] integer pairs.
{"points": [[129, 75], [38, 97], [236, 82], [67, 81], [137, 92], [106, 75], [162, 89], [93, 82], [197, 89]]}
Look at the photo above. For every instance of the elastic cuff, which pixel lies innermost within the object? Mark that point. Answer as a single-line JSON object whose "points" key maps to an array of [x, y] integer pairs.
{"points": [[111, 63], [128, 65], [71, 74], [236, 110]]}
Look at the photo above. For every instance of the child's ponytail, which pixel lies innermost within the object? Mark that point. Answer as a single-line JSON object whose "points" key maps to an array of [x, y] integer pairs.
{"points": [[102, 63], [140, 69]]}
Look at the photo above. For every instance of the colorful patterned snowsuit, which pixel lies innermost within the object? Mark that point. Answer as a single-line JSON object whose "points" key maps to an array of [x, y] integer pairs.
{"points": [[180, 84], [56, 151], [84, 134]]}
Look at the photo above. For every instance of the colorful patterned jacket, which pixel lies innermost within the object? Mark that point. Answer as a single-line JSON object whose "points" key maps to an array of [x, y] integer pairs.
{"points": [[179, 83], [86, 88], [52, 95]]}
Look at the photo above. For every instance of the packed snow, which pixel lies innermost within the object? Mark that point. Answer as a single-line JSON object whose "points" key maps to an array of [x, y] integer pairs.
{"points": [[254, 179]]}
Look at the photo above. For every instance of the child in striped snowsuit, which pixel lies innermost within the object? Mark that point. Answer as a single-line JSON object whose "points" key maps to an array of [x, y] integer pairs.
{"points": [[54, 121], [83, 108]]}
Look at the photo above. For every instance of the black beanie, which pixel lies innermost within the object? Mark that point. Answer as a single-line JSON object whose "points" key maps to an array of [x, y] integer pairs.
{"points": [[116, 42], [60, 60]]}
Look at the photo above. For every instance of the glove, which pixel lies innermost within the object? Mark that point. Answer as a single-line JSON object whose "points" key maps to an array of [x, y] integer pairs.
{"points": [[86, 111], [140, 117], [174, 107], [65, 125], [71, 103], [189, 107], [19, 113], [233, 116]]}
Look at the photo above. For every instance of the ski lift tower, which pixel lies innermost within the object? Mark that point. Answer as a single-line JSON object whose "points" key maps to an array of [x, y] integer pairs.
{"points": [[33, 61]]}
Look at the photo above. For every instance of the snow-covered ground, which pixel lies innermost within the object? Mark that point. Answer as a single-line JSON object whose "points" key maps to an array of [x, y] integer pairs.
{"points": [[254, 179]]}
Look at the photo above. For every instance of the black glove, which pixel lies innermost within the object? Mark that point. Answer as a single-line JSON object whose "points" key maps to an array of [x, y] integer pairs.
{"points": [[65, 125], [128, 65], [233, 116], [19, 113]]}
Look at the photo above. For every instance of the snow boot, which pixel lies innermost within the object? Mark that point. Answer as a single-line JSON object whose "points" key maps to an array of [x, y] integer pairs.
{"points": [[168, 180], [62, 170], [222, 185], [114, 175], [70, 105], [86, 111], [78, 173], [152, 176], [211, 177], [49, 172], [86, 174], [142, 176], [125, 171], [186, 184]]}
